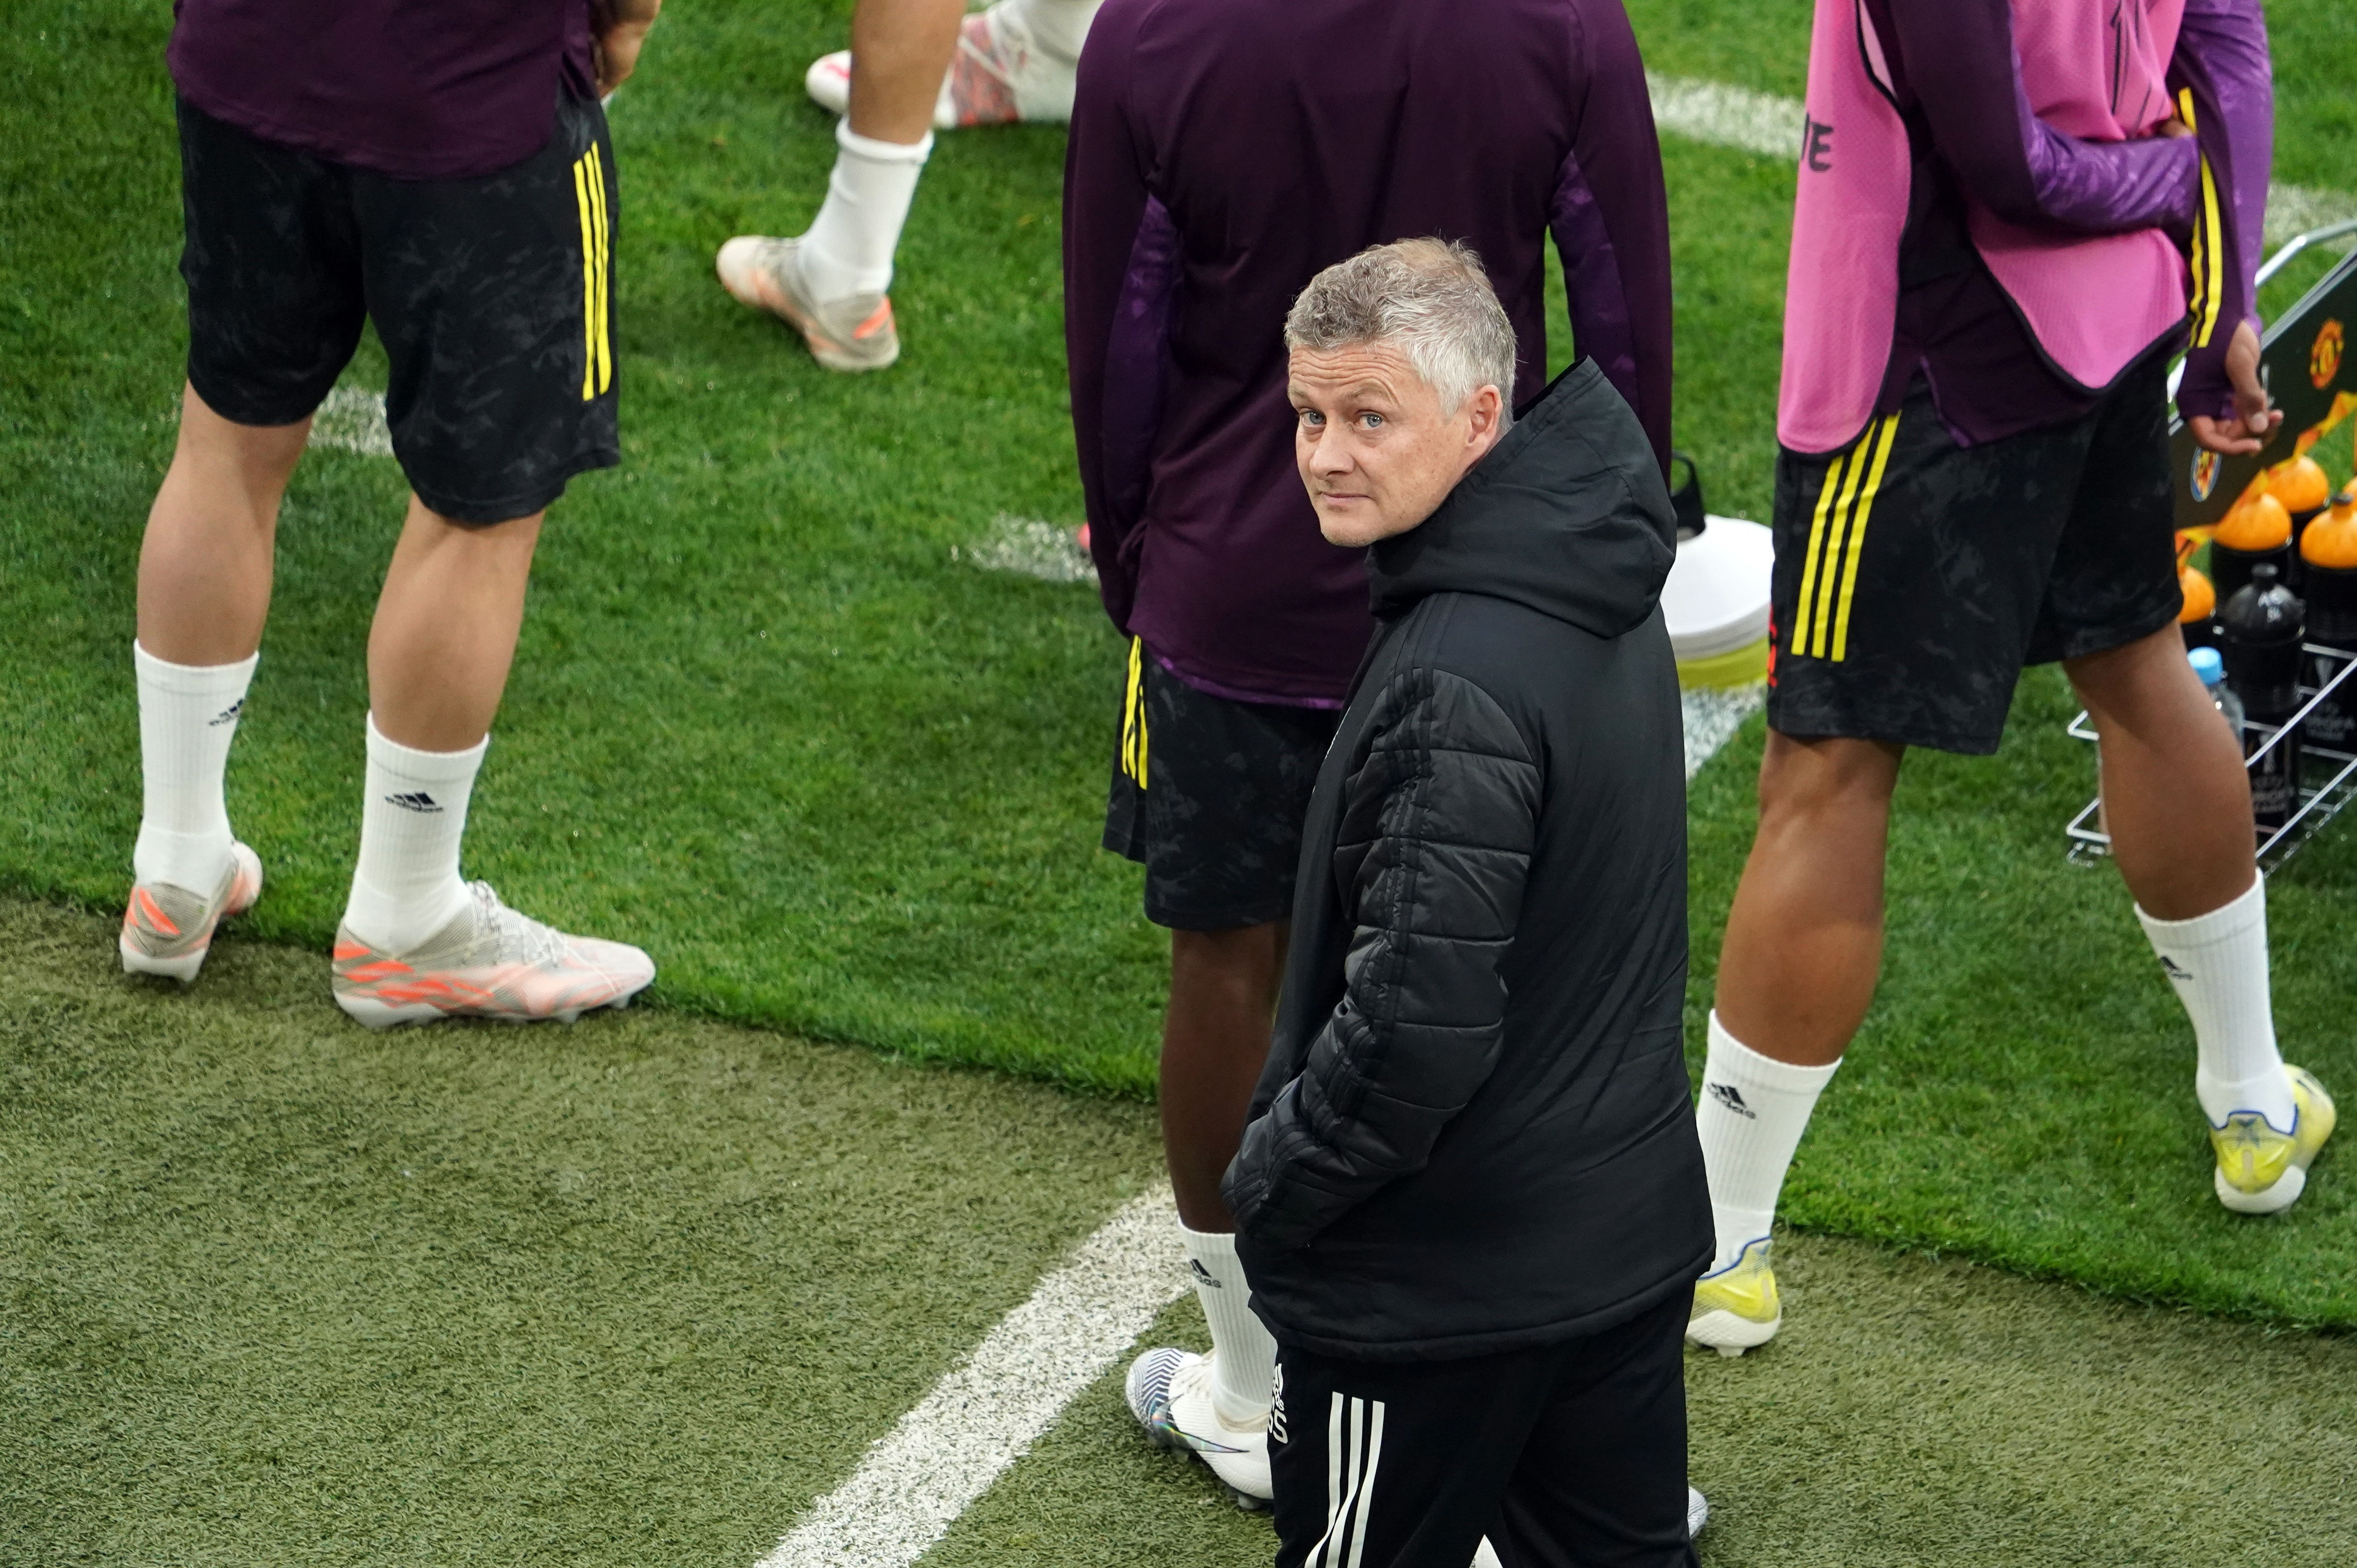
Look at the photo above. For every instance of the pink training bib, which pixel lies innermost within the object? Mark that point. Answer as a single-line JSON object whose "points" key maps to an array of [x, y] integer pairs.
{"points": [[2092, 69]]}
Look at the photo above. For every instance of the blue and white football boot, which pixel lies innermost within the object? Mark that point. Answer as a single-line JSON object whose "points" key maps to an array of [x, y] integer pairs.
{"points": [[1170, 1393]]}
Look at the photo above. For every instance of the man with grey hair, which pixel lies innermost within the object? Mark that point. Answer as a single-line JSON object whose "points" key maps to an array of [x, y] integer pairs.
{"points": [[1223, 151], [1470, 1198]]}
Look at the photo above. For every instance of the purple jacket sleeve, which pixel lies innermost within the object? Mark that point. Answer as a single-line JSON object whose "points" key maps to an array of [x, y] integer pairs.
{"points": [[2225, 88], [1962, 67], [1611, 226], [1120, 267]]}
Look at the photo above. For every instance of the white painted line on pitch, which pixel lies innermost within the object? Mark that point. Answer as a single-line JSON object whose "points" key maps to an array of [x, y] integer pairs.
{"points": [[916, 1480], [1712, 715], [1030, 548], [1757, 122], [1769, 125], [984, 1417], [353, 420]]}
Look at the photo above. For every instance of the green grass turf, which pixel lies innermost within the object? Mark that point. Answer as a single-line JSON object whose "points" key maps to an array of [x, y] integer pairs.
{"points": [[762, 721], [2022, 1089], [837, 780], [1915, 1414], [276, 1291]]}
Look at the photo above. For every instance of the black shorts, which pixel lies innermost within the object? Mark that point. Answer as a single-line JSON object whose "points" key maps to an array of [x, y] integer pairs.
{"points": [[1570, 1455], [1915, 577], [493, 296], [1209, 795]]}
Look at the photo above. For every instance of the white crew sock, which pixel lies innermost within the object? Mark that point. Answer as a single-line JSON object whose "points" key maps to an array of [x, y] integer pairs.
{"points": [[188, 716], [406, 886], [1752, 1113], [1247, 1355], [848, 249], [2218, 961], [1059, 27]]}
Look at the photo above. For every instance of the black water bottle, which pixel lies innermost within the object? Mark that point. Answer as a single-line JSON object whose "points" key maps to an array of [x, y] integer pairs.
{"points": [[2329, 553], [2261, 625]]}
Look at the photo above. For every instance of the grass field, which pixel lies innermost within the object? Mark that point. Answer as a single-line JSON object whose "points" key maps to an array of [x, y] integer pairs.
{"points": [[273, 1291]]}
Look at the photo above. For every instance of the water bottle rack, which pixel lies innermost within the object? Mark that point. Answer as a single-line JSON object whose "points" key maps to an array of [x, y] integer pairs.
{"points": [[2319, 802]]}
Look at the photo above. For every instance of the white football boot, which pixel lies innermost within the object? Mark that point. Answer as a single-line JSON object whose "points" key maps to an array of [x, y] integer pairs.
{"points": [[167, 930], [1170, 1393], [999, 76], [855, 333], [488, 962]]}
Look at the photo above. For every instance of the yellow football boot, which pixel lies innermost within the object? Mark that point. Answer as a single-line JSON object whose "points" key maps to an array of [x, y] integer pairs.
{"points": [[1737, 1309], [2262, 1171]]}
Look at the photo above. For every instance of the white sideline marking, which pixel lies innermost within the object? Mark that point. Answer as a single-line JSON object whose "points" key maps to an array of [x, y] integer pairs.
{"points": [[353, 420], [1030, 548], [984, 1417], [1712, 715], [1769, 125], [1757, 123]]}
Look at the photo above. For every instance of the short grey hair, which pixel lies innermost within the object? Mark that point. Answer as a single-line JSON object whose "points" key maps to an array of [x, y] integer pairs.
{"points": [[1428, 297]]}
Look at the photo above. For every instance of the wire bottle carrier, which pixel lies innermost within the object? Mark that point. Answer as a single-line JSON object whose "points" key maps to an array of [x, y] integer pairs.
{"points": [[2307, 367], [2328, 777]]}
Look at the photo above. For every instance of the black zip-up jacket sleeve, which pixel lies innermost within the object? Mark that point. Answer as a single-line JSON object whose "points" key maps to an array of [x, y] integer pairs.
{"points": [[1437, 828]]}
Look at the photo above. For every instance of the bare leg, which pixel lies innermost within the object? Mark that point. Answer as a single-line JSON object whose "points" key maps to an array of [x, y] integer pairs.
{"points": [[2176, 796], [902, 49], [1224, 987], [1803, 945], [205, 563], [445, 628]]}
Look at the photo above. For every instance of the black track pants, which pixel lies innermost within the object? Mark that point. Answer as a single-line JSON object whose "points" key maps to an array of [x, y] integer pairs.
{"points": [[1569, 1456]]}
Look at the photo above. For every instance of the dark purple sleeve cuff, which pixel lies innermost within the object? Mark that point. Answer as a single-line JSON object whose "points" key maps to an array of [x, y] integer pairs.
{"points": [[2204, 392]]}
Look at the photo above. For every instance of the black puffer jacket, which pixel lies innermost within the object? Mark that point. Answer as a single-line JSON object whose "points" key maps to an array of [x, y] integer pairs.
{"points": [[1474, 1134]]}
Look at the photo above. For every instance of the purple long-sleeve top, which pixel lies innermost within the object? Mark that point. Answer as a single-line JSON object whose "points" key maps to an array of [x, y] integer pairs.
{"points": [[1222, 153], [1976, 134], [414, 88]]}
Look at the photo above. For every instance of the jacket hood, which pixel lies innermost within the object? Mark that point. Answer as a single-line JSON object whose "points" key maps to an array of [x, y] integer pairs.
{"points": [[1568, 515]]}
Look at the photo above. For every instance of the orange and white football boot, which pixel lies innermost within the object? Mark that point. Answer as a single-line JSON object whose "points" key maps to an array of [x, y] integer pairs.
{"points": [[167, 929], [1000, 76], [488, 962], [855, 333]]}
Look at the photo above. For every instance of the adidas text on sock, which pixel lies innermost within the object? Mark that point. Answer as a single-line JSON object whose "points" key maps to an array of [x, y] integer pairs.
{"points": [[188, 717], [406, 886], [1752, 1113], [1246, 1353], [2218, 963]]}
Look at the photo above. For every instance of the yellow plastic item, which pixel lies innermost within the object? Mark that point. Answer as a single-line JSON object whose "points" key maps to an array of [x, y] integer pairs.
{"points": [[2299, 483], [2200, 598], [2258, 523], [1744, 667], [2331, 540]]}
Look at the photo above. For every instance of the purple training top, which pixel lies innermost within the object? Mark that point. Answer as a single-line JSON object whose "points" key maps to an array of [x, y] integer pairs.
{"points": [[1975, 134], [414, 88], [1225, 151]]}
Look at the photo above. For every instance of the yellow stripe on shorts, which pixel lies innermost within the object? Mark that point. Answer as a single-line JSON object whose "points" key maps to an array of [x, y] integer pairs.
{"points": [[1843, 511], [1837, 539], [1858, 534], [1132, 716], [597, 274], [1802, 617]]}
